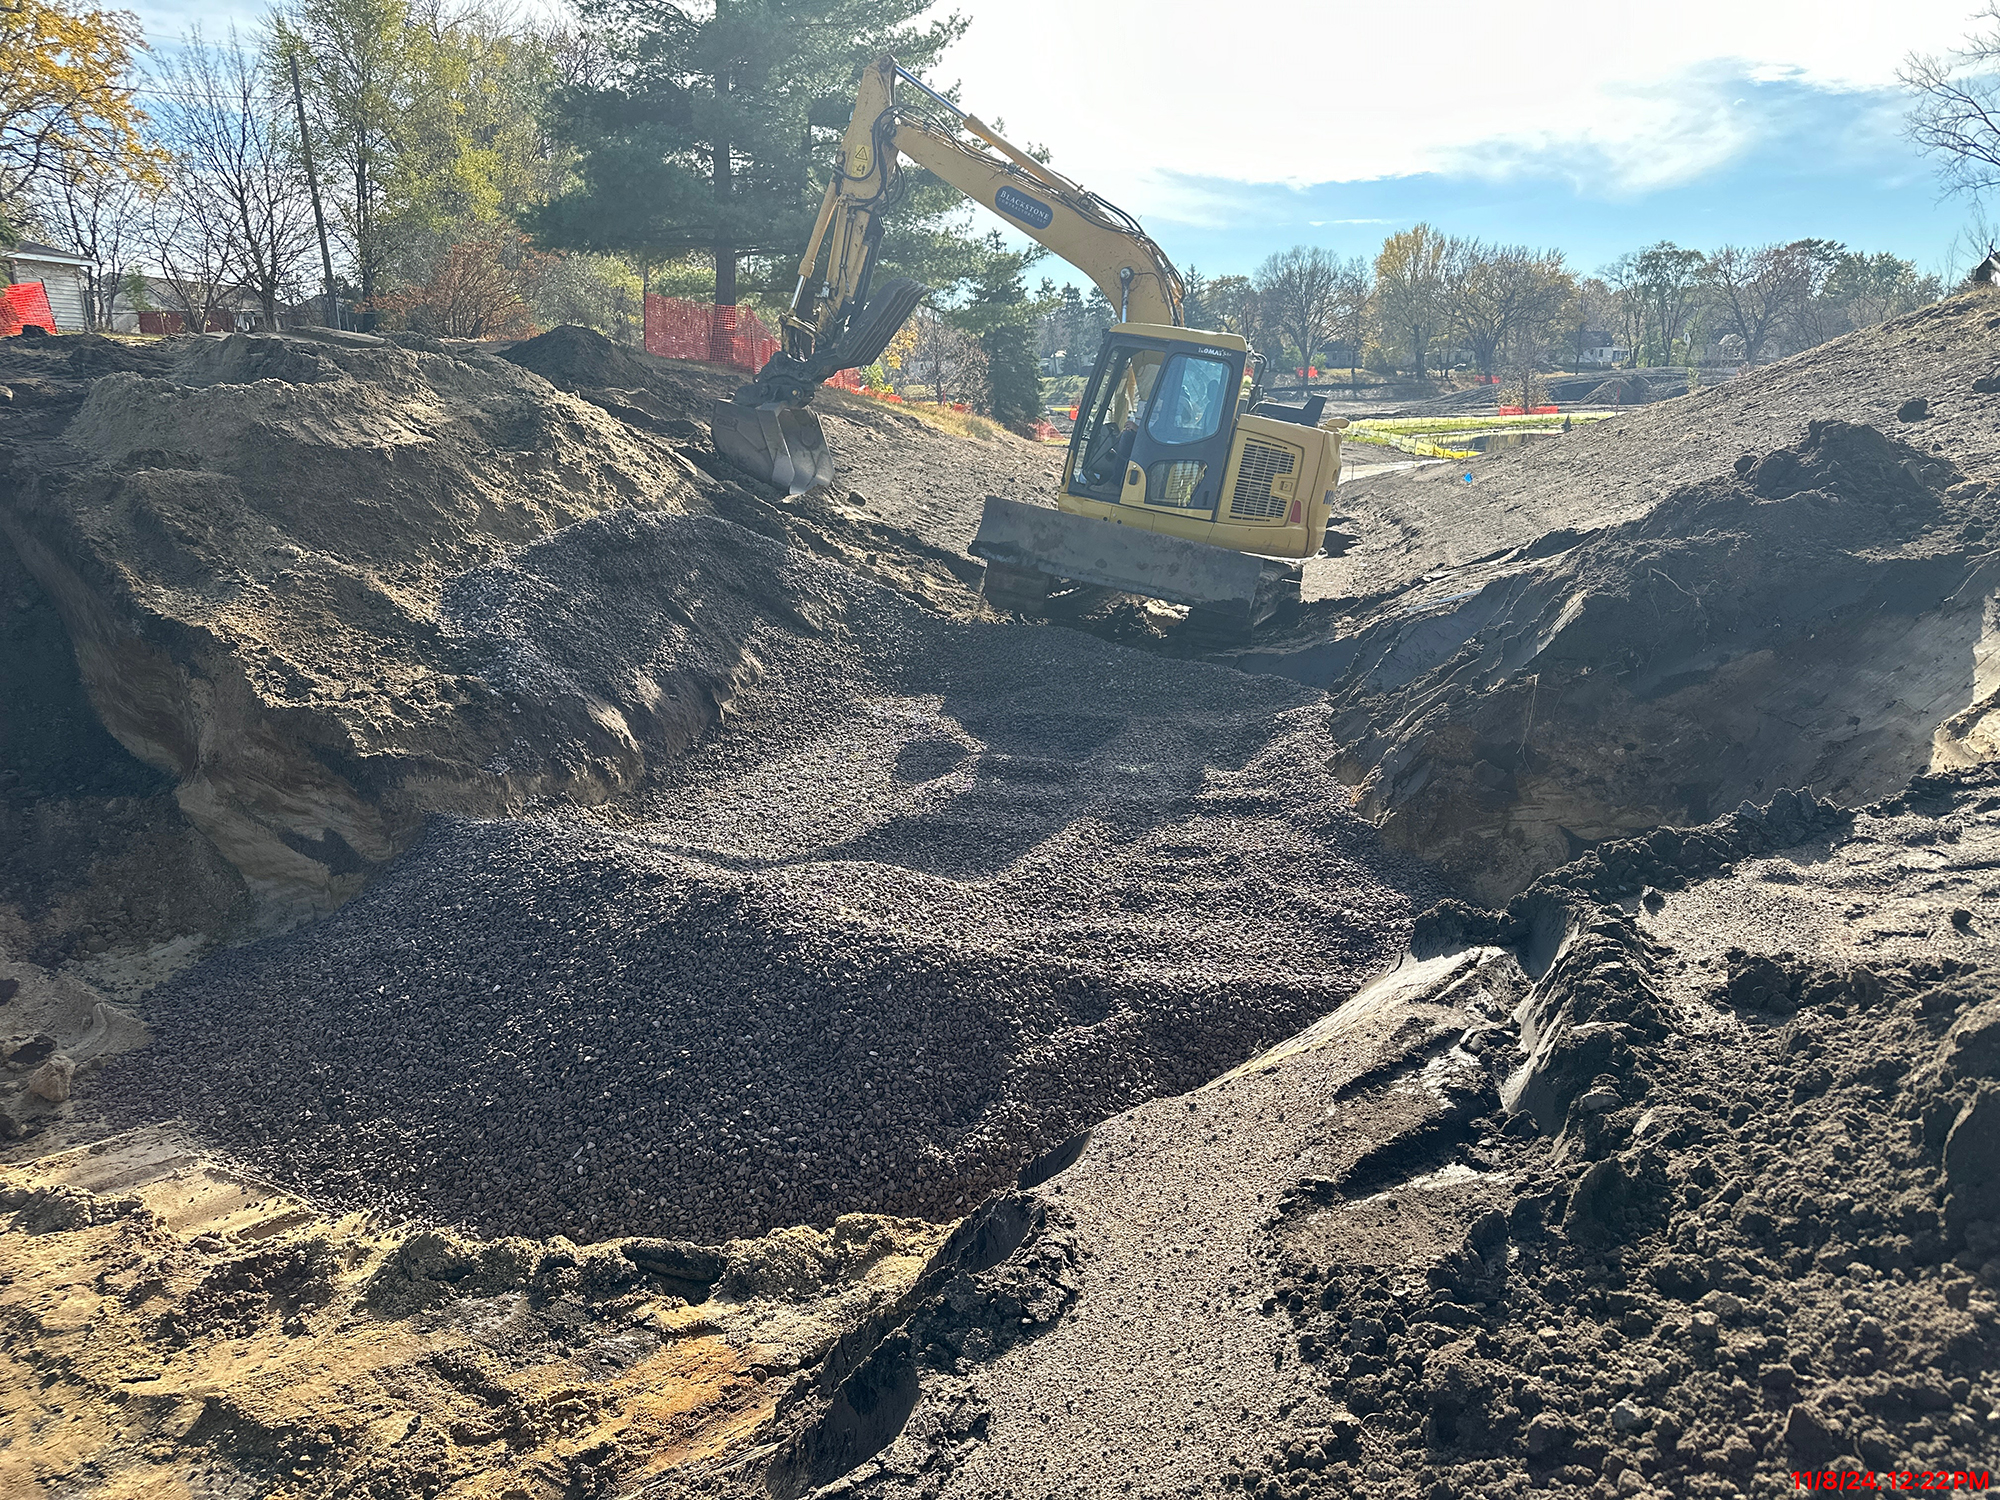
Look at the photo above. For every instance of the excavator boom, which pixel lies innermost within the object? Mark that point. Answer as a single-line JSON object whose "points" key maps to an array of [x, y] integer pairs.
{"points": [[839, 320]]}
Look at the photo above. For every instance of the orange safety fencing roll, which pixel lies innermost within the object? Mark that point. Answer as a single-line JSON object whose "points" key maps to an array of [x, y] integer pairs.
{"points": [[25, 304]]}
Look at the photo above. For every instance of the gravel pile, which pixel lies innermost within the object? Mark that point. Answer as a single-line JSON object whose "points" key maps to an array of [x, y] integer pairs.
{"points": [[936, 896]]}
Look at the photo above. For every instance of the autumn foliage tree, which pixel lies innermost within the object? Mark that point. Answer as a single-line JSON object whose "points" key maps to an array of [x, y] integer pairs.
{"points": [[1411, 280], [479, 288], [66, 103]]}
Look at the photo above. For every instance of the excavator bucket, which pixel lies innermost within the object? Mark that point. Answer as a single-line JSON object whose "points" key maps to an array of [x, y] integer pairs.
{"points": [[765, 428], [779, 443], [1029, 548]]}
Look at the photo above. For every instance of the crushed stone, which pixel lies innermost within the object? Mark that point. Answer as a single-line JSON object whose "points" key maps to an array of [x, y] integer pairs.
{"points": [[939, 894]]}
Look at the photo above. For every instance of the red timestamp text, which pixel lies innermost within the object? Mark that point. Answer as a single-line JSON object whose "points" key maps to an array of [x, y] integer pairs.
{"points": [[1891, 1479]]}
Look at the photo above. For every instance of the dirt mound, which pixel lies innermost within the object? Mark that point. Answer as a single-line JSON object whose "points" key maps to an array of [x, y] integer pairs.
{"points": [[256, 562], [247, 541], [1808, 618], [1656, 1198], [925, 909], [1418, 522], [98, 852], [891, 466], [572, 358]]}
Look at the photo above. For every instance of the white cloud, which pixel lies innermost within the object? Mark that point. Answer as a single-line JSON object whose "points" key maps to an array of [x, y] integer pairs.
{"points": [[1136, 99]]}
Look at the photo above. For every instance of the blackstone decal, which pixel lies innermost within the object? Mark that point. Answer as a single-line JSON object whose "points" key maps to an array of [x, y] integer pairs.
{"points": [[1016, 204]]}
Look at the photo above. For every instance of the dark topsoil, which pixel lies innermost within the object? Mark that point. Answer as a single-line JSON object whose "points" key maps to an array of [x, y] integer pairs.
{"points": [[1678, 1174], [1931, 378]]}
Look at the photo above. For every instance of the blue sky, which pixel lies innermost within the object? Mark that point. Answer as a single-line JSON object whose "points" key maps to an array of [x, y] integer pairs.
{"points": [[1820, 164], [1594, 129], [1235, 130]]}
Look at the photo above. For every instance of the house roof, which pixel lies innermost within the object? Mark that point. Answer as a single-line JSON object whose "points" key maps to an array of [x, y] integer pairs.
{"points": [[35, 250]]}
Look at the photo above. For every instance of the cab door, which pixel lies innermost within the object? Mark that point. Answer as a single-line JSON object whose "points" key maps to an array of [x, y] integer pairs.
{"points": [[1155, 433], [1182, 443]]}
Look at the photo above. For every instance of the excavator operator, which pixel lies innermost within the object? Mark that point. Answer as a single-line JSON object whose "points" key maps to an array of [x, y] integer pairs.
{"points": [[1121, 408]]}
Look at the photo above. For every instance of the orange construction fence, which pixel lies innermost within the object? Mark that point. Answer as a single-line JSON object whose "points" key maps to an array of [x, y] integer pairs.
{"points": [[25, 304], [735, 336], [714, 335]]}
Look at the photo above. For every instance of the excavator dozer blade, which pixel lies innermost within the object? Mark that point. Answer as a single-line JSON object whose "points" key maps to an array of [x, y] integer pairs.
{"points": [[1025, 547], [779, 444]]}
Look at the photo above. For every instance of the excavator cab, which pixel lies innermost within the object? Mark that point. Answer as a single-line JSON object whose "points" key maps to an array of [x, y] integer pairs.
{"points": [[1171, 438], [1154, 425], [1171, 441]]}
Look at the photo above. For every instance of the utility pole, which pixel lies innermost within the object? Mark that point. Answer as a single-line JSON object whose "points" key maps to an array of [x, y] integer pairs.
{"points": [[312, 186]]}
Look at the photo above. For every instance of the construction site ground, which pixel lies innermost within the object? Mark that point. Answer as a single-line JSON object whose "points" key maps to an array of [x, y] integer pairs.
{"points": [[532, 965]]}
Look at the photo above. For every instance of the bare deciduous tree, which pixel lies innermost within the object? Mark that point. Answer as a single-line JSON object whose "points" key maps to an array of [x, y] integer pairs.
{"points": [[192, 239], [1811, 317], [1353, 300], [1299, 289], [103, 217], [1503, 296], [221, 121], [952, 358], [1956, 116], [1628, 301], [1590, 308], [1751, 291], [1669, 284]]}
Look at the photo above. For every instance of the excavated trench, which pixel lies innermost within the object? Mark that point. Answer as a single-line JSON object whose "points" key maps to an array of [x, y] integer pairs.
{"points": [[687, 863], [939, 893]]}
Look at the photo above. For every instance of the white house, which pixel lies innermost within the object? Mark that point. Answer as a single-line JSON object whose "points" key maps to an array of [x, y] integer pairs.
{"points": [[1599, 348], [65, 277]]}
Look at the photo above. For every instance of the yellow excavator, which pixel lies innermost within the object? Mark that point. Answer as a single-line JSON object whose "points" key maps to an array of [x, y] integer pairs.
{"points": [[1181, 483]]}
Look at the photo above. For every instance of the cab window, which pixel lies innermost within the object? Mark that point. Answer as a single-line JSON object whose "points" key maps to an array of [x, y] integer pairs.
{"points": [[1189, 400], [1106, 433]]}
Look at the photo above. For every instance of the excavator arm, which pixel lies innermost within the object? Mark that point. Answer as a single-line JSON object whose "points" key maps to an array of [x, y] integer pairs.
{"points": [[839, 319]]}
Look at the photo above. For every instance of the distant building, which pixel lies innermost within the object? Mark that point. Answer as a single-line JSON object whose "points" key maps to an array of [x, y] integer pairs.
{"points": [[1598, 348], [237, 310], [65, 277]]}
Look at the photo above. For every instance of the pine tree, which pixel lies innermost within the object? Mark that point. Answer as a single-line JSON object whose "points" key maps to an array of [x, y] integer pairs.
{"points": [[717, 130], [1098, 316], [1075, 360], [999, 313]]}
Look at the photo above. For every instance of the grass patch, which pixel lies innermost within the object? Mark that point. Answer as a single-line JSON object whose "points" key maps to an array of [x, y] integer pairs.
{"points": [[963, 424], [1471, 424]]}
